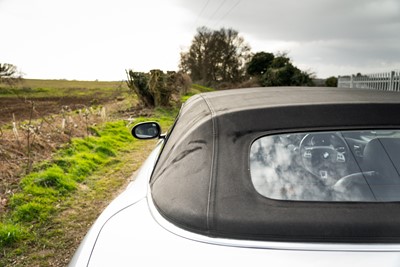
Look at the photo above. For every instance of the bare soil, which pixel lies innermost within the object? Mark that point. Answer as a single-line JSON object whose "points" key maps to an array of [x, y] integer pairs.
{"points": [[32, 130], [21, 108]]}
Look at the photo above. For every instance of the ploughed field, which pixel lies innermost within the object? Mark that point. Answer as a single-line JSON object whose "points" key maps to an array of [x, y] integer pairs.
{"points": [[33, 99], [21, 109]]}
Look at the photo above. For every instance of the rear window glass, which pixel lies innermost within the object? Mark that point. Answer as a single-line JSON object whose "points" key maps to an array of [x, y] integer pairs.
{"points": [[328, 166]]}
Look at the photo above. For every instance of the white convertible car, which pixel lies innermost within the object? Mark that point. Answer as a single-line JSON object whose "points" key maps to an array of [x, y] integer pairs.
{"points": [[262, 176]]}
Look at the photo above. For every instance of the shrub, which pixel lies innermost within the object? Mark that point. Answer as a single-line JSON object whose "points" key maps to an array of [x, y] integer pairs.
{"points": [[156, 88], [331, 82], [138, 82], [160, 86]]}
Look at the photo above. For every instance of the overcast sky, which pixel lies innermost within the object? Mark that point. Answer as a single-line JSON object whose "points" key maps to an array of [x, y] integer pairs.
{"points": [[97, 39]]}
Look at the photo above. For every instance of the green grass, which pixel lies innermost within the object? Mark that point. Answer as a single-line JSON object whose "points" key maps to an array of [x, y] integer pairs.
{"points": [[61, 197], [11, 233], [33, 88], [55, 181]]}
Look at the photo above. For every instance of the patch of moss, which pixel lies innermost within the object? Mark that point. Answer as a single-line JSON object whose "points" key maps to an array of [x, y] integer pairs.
{"points": [[11, 233], [32, 212], [52, 177]]}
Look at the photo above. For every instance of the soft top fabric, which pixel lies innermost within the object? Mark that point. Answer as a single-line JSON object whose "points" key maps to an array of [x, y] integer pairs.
{"points": [[202, 181]]}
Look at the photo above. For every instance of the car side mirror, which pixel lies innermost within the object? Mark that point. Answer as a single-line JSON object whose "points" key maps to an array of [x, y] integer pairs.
{"points": [[146, 130]]}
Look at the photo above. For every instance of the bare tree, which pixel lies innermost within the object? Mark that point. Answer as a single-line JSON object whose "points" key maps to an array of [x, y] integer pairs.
{"points": [[9, 74]]}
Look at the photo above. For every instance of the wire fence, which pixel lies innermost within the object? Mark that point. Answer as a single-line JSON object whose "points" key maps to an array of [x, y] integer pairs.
{"points": [[386, 81]]}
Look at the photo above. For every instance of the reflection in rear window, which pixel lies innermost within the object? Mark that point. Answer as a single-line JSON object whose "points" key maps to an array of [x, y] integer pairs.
{"points": [[328, 166]]}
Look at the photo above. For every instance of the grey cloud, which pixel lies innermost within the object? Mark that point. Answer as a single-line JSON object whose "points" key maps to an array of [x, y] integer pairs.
{"points": [[357, 33], [306, 20], [350, 51]]}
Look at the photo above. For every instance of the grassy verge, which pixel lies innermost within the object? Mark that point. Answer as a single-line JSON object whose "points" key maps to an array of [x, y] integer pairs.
{"points": [[59, 200], [57, 203]]}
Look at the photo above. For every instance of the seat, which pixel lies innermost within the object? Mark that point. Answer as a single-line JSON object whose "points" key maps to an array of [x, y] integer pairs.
{"points": [[382, 156]]}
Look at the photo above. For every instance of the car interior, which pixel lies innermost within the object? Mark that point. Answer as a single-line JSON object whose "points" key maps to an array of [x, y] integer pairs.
{"points": [[328, 166]]}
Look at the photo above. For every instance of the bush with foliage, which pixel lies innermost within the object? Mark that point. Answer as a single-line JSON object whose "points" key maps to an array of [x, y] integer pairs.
{"points": [[277, 70], [216, 56], [331, 82], [156, 88], [222, 59], [138, 82], [259, 63]]}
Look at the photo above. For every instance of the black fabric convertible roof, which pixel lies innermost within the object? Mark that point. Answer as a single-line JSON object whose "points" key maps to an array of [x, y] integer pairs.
{"points": [[202, 181]]}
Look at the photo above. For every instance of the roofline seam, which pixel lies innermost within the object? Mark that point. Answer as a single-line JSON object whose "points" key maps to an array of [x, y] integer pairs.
{"points": [[211, 185]]}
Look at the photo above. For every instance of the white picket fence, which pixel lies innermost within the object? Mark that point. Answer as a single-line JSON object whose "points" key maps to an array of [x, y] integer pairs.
{"points": [[386, 81]]}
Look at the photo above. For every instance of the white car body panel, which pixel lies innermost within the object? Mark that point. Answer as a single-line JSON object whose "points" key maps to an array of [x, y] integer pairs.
{"points": [[127, 239], [130, 232], [134, 192]]}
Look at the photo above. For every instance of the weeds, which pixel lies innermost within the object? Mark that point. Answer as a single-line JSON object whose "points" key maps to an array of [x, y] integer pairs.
{"points": [[11, 233], [48, 207], [52, 182]]}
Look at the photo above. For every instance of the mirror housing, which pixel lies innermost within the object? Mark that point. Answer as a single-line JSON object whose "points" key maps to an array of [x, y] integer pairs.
{"points": [[147, 130]]}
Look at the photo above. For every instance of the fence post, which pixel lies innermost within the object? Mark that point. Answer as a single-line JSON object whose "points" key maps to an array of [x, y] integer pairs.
{"points": [[385, 81], [351, 81], [391, 81]]}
